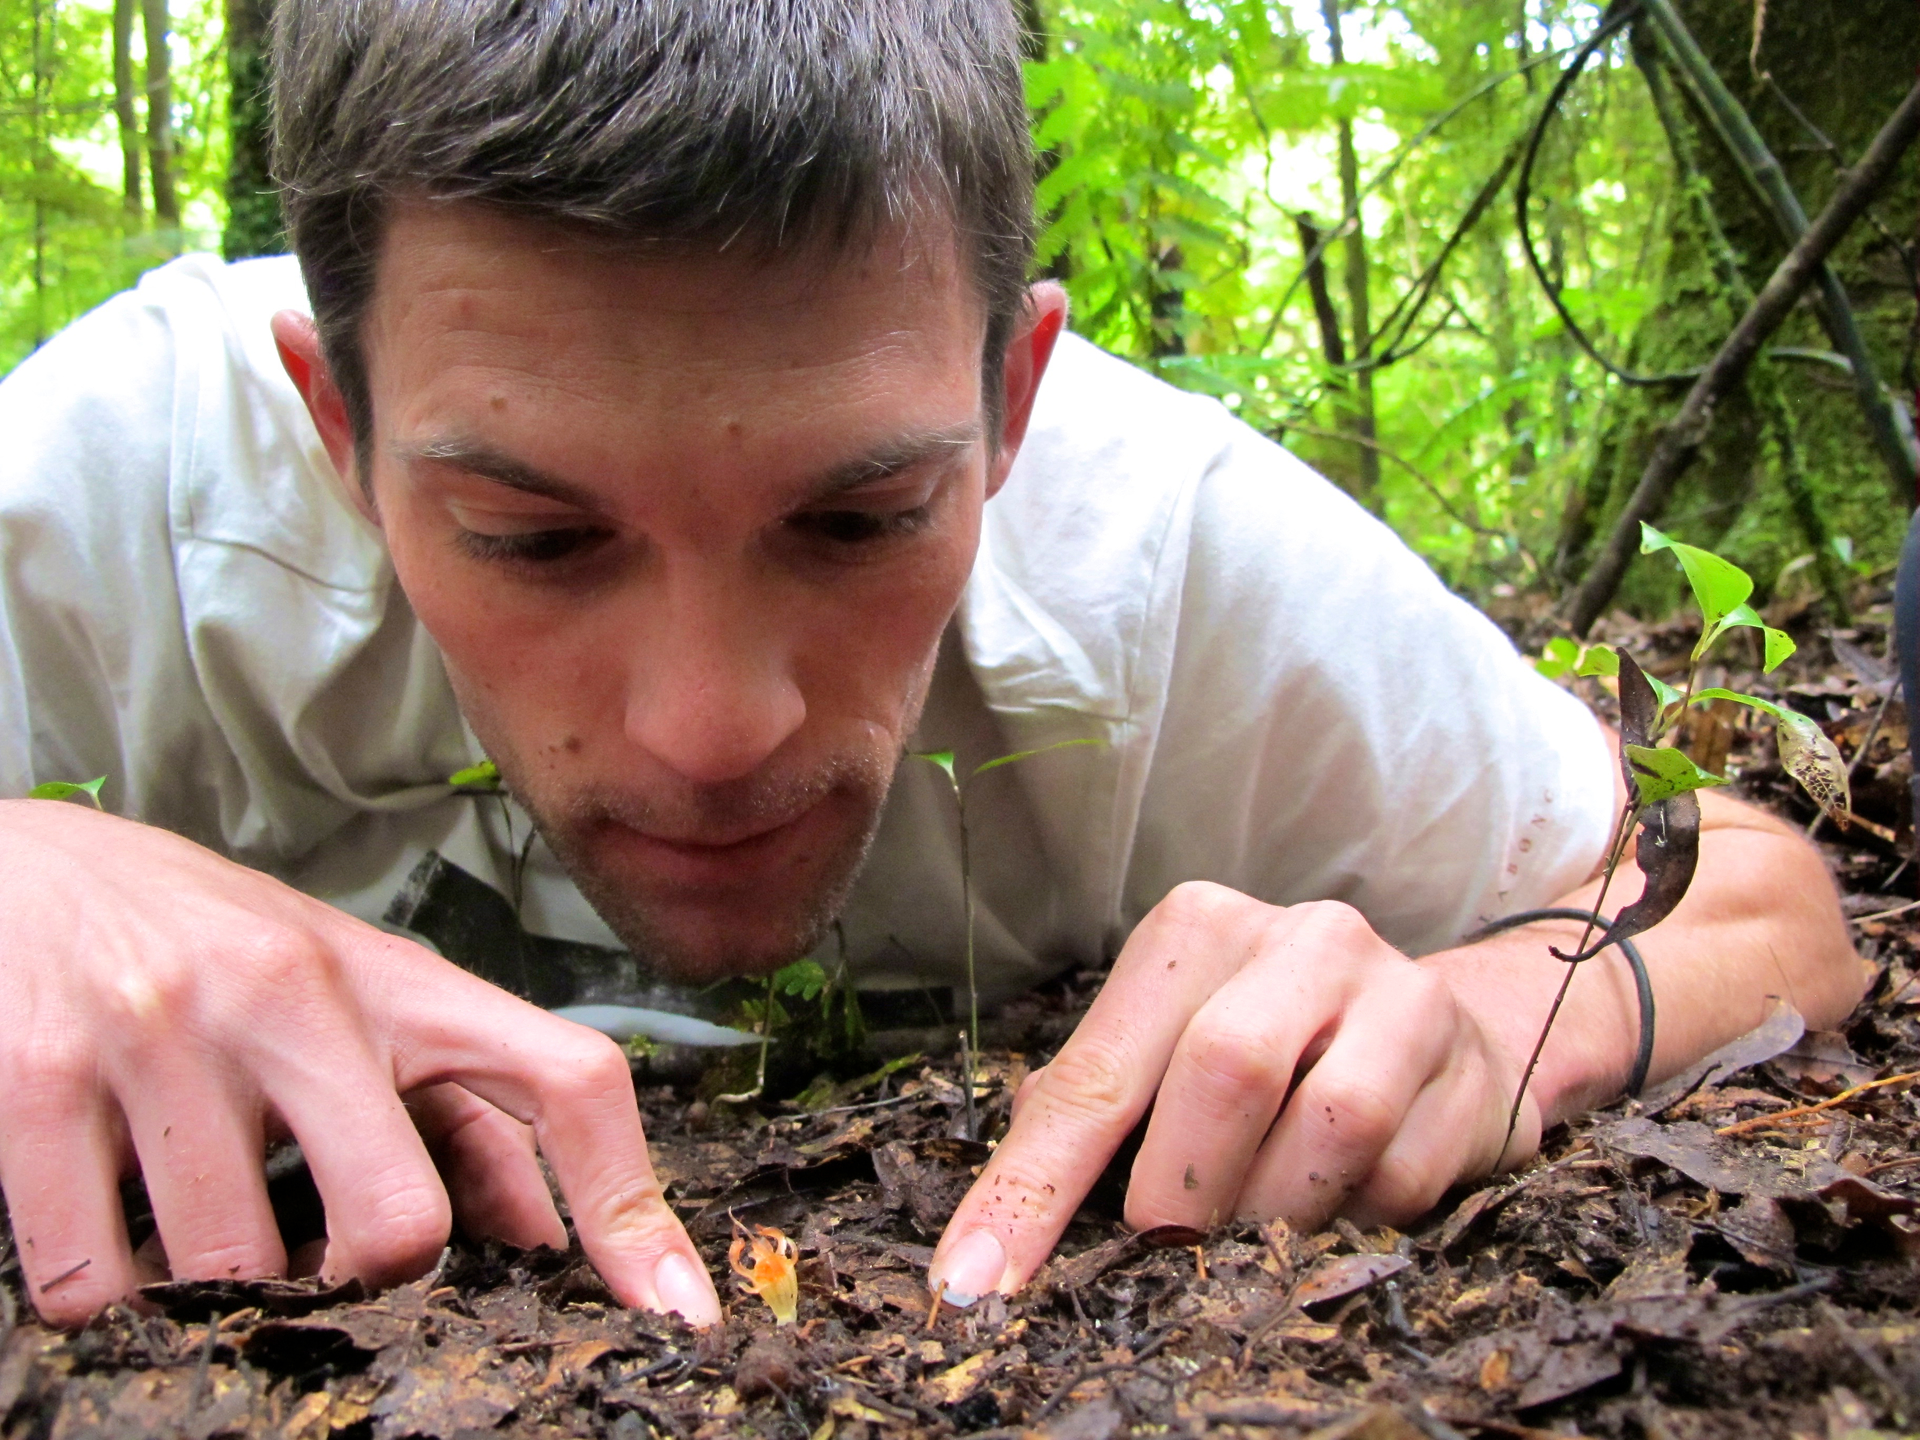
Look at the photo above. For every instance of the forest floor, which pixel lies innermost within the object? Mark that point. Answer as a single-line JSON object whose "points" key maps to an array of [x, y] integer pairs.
{"points": [[1735, 1255]]}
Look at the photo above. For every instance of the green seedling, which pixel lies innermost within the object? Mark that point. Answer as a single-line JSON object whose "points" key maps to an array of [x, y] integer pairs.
{"points": [[970, 1039], [484, 781], [804, 981], [943, 759], [68, 789], [1663, 782]]}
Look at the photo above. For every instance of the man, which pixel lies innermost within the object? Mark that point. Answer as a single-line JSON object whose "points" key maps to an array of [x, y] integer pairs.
{"points": [[663, 359]]}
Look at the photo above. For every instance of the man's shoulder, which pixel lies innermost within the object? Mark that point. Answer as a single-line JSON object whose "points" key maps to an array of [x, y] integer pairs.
{"points": [[189, 405], [1084, 552]]}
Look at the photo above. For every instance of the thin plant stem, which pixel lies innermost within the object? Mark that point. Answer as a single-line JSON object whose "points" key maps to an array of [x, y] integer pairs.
{"points": [[1533, 1062], [966, 1061], [966, 892], [766, 1040], [1622, 829]]}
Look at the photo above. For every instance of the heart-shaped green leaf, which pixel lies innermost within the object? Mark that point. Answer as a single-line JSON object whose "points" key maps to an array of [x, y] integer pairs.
{"points": [[1719, 586]]}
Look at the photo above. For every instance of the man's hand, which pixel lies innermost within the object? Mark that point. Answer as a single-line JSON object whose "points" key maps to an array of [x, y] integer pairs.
{"points": [[167, 1011], [1385, 1089], [1298, 1066]]}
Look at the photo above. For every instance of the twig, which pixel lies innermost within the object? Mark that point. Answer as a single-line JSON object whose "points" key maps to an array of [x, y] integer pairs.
{"points": [[870, 1104], [1758, 1122], [766, 1039], [1094, 1372], [1681, 438], [1617, 17], [65, 1275], [1893, 1391], [1886, 914]]}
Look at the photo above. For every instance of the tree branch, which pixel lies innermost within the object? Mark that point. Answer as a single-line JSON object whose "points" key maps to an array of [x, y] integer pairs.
{"points": [[1763, 173], [1681, 438]]}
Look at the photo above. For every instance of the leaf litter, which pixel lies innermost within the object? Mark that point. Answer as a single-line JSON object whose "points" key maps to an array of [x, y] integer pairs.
{"points": [[1734, 1255]]}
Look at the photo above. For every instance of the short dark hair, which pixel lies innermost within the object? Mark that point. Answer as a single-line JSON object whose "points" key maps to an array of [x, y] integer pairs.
{"points": [[771, 124]]}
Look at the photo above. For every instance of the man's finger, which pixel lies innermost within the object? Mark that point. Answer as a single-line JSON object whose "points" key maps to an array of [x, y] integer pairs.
{"points": [[575, 1089], [1094, 1091], [201, 1155], [1224, 1086], [1353, 1103], [60, 1170], [491, 1169], [388, 1216]]}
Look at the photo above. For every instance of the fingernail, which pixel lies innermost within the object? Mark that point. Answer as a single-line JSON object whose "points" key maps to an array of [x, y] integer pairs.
{"points": [[972, 1268], [683, 1287]]}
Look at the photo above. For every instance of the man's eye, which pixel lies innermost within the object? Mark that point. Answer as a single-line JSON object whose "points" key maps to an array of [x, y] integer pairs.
{"points": [[531, 548], [863, 527]]}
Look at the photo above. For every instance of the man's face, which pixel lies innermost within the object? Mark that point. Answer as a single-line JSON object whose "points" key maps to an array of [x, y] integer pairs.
{"points": [[687, 531]]}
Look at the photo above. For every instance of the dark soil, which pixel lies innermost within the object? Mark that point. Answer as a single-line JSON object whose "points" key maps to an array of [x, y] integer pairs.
{"points": [[1650, 1275]]}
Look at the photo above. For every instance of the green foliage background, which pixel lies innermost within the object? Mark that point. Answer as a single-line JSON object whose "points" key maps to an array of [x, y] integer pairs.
{"points": [[1182, 138]]}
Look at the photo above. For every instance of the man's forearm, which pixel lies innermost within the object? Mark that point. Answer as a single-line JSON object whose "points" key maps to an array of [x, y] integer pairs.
{"points": [[1761, 918]]}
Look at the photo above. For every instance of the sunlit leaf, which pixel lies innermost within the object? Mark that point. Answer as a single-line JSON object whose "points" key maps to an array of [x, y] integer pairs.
{"points": [[1811, 758], [1718, 585], [484, 776], [1558, 657], [1779, 645], [68, 789], [1598, 660], [1660, 774]]}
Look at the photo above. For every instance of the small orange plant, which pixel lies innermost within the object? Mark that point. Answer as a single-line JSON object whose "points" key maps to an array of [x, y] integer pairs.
{"points": [[771, 1273]]}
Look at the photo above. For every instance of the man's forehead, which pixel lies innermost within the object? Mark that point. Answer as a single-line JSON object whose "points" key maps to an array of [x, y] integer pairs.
{"points": [[448, 252]]}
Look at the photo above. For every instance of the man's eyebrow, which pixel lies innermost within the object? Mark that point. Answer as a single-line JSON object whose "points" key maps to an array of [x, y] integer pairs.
{"points": [[502, 469], [892, 458]]}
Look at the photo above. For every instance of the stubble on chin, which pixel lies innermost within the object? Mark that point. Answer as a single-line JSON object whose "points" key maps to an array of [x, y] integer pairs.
{"points": [[751, 936]]}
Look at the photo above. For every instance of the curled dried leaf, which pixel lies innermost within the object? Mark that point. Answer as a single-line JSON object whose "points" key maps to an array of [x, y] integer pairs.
{"points": [[770, 1270], [1814, 760], [1667, 853]]}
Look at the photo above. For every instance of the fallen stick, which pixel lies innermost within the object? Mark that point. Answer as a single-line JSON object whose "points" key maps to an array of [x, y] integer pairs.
{"points": [[1758, 1122]]}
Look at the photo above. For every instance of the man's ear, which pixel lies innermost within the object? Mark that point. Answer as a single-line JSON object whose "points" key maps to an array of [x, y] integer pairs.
{"points": [[299, 346], [1039, 326]]}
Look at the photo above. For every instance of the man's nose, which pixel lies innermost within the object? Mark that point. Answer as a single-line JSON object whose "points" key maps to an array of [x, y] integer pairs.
{"points": [[712, 693]]}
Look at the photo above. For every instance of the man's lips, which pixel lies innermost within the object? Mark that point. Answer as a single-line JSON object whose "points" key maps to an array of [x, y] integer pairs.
{"points": [[714, 860]]}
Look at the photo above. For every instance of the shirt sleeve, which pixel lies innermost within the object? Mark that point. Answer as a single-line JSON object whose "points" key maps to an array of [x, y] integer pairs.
{"points": [[1339, 726], [94, 675]]}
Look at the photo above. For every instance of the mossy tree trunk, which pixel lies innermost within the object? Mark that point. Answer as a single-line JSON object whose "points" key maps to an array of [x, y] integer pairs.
{"points": [[1821, 80], [253, 206]]}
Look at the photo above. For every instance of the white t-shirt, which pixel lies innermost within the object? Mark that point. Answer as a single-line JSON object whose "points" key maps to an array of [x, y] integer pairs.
{"points": [[1288, 701]]}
